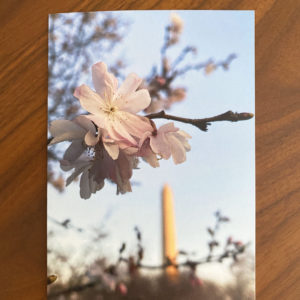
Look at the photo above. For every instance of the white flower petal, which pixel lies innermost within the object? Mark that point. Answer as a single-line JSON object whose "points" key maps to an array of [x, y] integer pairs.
{"points": [[104, 82], [130, 150], [129, 85], [65, 165], [85, 123], [124, 187], [119, 126], [100, 120], [144, 137], [134, 124], [95, 186], [160, 145], [134, 102], [112, 150], [85, 191], [74, 150], [91, 139], [168, 127], [80, 166], [151, 158], [182, 136], [64, 130], [89, 100], [177, 149]]}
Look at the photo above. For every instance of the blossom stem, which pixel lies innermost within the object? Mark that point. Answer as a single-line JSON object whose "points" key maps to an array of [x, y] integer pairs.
{"points": [[202, 124]]}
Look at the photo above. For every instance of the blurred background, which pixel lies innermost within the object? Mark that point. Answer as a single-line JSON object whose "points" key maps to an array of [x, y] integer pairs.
{"points": [[195, 64]]}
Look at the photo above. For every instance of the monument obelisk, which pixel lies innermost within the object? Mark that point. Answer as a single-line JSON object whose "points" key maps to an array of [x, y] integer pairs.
{"points": [[168, 228]]}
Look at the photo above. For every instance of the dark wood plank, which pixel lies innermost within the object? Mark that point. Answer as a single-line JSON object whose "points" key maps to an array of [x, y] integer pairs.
{"points": [[23, 123]]}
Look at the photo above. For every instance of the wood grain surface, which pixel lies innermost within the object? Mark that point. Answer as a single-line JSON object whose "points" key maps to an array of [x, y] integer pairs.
{"points": [[23, 123]]}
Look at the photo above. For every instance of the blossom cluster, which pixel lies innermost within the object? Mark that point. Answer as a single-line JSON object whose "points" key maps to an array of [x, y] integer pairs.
{"points": [[106, 144]]}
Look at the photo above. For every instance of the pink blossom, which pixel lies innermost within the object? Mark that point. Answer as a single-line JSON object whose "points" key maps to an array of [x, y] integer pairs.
{"points": [[168, 141], [118, 171], [176, 23], [239, 243], [106, 144], [195, 281], [82, 132], [78, 129], [87, 183], [94, 171], [114, 109], [122, 288], [148, 155]]}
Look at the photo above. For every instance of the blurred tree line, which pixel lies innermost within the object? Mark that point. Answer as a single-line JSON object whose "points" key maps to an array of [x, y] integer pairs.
{"points": [[130, 278]]}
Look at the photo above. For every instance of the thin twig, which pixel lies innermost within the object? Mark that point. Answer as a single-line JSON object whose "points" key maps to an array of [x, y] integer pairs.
{"points": [[182, 55], [203, 123]]}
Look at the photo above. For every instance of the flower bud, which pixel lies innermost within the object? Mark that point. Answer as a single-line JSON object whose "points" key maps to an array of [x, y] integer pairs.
{"points": [[122, 288]]}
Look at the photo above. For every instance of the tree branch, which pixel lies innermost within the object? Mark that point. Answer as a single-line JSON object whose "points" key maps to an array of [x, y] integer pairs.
{"points": [[76, 288], [202, 124]]}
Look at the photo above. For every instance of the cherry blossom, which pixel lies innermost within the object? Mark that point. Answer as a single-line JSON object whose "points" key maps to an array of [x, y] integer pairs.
{"points": [[95, 170], [114, 109], [176, 23], [87, 183], [107, 143], [81, 132], [168, 141]]}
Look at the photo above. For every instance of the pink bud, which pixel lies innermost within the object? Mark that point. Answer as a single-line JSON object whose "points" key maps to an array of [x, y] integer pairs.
{"points": [[239, 243], [160, 80], [122, 288], [195, 281]]}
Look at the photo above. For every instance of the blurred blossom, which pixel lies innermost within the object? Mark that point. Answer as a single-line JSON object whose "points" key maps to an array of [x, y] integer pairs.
{"points": [[110, 22], [177, 95], [176, 23], [59, 183], [74, 296], [238, 243], [209, 68], [96, 272], [166, 65], [229, 240], [72, 109], [69, 21], [193, 50], [122, 288], [132, 267], [160, 80], [52, 37], [156, 106], [195, 281]]}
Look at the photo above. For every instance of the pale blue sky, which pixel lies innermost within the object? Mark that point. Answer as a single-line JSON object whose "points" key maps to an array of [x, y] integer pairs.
{"points": [[220, 169]]}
